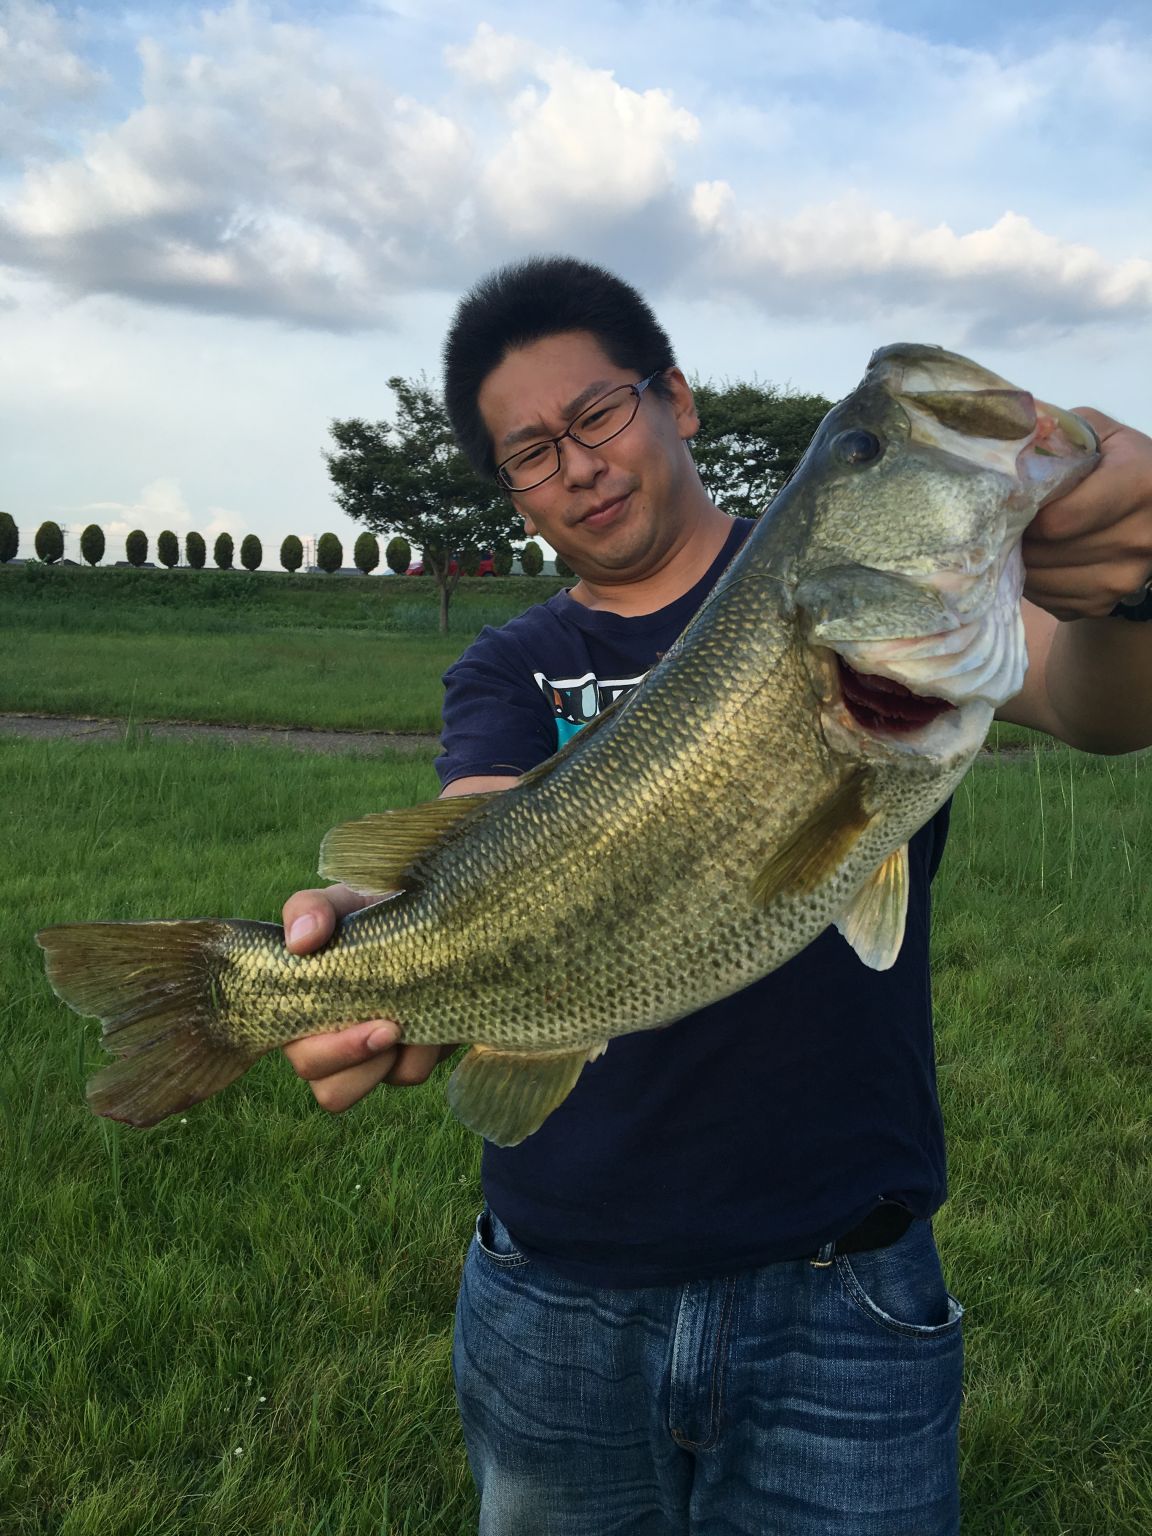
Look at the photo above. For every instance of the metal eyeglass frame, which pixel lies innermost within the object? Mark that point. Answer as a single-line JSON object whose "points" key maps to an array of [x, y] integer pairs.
{"points": [[637, 390]]}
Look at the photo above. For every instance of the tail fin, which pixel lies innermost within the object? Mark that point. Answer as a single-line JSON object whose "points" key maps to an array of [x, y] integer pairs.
{"points": [[154, 988]]}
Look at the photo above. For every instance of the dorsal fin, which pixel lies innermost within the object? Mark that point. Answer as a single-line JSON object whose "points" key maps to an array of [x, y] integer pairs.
{"points": [[377, 852]]}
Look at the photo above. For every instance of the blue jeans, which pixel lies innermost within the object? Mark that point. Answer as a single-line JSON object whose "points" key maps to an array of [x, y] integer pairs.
{"points": [[800, 1399]]}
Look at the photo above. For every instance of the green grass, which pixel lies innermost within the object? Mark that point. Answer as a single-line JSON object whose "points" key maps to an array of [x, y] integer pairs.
{"points": [[340, 680], [173, 1295], [260, 1277], [76, 599], [239, 648]]}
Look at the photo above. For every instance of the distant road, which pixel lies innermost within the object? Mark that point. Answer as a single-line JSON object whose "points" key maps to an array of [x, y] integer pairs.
{"points": [[86, 728]]}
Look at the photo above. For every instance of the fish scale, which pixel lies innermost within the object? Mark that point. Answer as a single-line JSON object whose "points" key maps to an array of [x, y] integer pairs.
{"points": [[694, 837]]}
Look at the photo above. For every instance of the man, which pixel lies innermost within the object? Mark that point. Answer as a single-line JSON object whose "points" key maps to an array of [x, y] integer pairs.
{"points": [[704, 1296]]}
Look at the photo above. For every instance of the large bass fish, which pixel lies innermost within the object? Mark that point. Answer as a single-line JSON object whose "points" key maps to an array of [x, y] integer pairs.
{"points": [[759, 785]]}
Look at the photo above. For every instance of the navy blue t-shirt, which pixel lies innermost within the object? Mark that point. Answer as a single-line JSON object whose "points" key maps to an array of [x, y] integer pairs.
{"points": [[754, 1130]]}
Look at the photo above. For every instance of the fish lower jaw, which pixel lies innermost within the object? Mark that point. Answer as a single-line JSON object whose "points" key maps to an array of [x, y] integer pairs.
{"points": [[895, 720]]}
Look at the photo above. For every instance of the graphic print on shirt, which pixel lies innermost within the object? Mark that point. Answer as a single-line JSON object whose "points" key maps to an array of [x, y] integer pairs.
{"points": [[577, 700]]}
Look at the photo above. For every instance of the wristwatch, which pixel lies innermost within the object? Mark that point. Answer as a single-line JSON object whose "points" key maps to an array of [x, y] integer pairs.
{"points": [[1137, 609]]}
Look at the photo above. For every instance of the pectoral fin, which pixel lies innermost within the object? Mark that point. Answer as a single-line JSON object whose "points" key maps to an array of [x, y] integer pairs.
{"points": [[506, 1095], [376, 853], [874, 923], [819, 847]]}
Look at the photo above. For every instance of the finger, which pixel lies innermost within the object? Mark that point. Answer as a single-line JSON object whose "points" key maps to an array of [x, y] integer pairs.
{"points": [[1107, 582], [404, 1066], [1065, 604], [310, 916], [340, 1090], [1116, 488], [1103, 426], [317, 1056], [414, 1065]]}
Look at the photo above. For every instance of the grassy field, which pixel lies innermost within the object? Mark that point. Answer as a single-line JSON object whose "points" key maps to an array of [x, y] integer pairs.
{"points": [[239, 1322], [234, 647]]}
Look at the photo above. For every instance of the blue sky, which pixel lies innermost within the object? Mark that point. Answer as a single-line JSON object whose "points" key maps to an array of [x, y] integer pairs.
{"points": [[223, 225]]}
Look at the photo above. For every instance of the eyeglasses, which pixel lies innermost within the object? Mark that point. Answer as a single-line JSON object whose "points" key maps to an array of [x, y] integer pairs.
{"points": [[596, 425]]}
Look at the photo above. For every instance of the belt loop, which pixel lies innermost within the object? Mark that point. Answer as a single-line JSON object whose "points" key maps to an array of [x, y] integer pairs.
{"points": [[823, 1259]]}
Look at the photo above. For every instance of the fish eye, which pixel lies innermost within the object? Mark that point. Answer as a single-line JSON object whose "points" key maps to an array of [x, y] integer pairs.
{"points": [[858, 446]]}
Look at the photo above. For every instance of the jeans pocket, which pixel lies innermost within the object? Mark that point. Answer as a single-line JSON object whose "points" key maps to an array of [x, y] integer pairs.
{"points": [[901, 1287], [495, 1241]]}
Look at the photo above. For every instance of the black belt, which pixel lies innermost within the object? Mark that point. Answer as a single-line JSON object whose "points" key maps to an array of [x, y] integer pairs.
{"points": [[881, 1228]]}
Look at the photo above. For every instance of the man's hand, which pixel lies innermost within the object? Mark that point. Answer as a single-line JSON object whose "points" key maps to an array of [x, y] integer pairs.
{"points": [[343, 1066], [1092, 547]]}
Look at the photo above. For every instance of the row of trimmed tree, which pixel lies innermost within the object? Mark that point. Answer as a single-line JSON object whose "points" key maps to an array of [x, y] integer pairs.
{"points": [[49, 543]]}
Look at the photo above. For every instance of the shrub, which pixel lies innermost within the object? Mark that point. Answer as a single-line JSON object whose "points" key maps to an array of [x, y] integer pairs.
{"points": [[531, 558], [168, 549], [366, 553], [223, 550], [563, 568], [50, 543], [92, 543], [329, 553], [9, 538], [502, 558], [291, 553], [136, 547], [195, 551], [398, 555], [251, 552]]}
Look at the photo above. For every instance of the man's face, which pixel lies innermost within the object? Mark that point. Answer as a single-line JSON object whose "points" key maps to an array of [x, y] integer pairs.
{"points": [[612, 512]]}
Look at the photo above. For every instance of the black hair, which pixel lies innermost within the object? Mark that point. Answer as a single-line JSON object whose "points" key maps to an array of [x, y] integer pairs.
{"points": [[525, 302]]}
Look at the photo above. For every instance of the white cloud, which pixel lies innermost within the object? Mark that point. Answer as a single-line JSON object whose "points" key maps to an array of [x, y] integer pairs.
{"points": [[160, 505], [266, 173], [995, 275], [41, 74], [35, 58], [581, 146], [263, 175]]}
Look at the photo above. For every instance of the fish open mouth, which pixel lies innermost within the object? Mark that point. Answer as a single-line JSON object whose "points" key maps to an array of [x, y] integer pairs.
{"points": [[880, 704]]}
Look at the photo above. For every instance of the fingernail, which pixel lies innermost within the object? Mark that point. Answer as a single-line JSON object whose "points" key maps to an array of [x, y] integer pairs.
{"points": [[380, 1039], [303, 928]]}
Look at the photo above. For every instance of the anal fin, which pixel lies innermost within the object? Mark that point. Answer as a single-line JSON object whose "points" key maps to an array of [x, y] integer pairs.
{"points": [[506, 1095], [874, 923]]}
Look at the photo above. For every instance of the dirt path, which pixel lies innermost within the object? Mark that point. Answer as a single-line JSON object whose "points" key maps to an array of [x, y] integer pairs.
{"points": [[87, 728], [91, 728]]}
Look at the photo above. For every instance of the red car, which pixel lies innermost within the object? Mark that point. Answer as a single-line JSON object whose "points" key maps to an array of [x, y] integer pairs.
{"points": [[485, 568]]}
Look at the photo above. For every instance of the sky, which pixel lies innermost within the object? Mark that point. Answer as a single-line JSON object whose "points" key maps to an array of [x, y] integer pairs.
{"points": [[223, 226]]}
